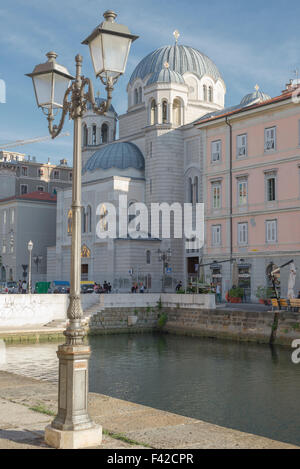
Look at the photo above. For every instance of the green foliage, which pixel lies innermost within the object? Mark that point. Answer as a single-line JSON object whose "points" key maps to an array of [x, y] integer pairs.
{"points": [[162, 320], [264, 293], [159, 304], [148, 309], [42, 410], [181, 291], [236, 292]]}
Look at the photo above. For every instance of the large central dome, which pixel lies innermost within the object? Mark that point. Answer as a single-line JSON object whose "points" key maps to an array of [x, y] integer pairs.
{"points": [[181, 59]]}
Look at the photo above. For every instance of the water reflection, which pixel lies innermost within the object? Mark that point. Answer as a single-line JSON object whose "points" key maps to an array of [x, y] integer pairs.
{"points": [[253, 388]]}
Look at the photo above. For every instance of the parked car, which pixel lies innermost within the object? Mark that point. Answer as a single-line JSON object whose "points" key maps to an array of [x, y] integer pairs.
{"points": [[9, 287], [3, 287], [59, 286], [87, 286]]}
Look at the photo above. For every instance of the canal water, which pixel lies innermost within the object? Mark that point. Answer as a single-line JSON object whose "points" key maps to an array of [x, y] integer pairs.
{"points": [[248, 387]]}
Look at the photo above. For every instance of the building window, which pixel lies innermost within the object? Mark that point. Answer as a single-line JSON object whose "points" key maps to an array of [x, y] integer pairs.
{"points": [[216, 150], [24, 189], [148, 257], [83, 220], [176, 112], [150, 149], [56, 174], [40, 172], [70, 176], [24, 171], [94, 135], [12, 216], [204, 93], [242, 192], [195, 191], [216, 195], [3, 247], [104, 133], [190, 190], [136, 96], [4, 217], [270, 187], [85, 136], [40, 189], [164, 112], [271, 231], [242, 233], [88, 220], [153, 112], [210, 94], [216, 235], [140, 94], [270, 139], [241, 146]]}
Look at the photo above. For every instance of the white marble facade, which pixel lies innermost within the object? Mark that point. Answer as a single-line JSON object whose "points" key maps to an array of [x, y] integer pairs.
{"points": [[158, 158]]}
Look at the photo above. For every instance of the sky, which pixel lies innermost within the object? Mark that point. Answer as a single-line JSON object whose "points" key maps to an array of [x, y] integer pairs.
{"points": [[250, 42]]}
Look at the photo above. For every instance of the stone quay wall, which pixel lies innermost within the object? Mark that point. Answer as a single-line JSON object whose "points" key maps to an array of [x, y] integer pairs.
{"points": [[124, 320], [235, 325], [247, 326]]}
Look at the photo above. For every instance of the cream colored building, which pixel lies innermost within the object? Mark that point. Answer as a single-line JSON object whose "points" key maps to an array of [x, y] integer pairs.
{"points": [[162, 155]]}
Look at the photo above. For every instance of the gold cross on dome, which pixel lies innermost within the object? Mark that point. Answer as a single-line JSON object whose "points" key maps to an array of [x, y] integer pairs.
{"points": [[256, 87], [176, 35], [166, 65]]}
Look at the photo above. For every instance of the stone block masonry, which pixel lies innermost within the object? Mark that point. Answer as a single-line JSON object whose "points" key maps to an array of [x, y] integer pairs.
{"points": [[234, 325], [118, 320]]}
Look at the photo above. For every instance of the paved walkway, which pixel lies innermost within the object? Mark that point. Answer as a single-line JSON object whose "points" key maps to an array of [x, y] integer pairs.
{"points": [[126, 425]]}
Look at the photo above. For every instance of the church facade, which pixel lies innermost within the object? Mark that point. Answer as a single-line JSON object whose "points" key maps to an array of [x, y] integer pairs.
{"points": [[167, 139]]}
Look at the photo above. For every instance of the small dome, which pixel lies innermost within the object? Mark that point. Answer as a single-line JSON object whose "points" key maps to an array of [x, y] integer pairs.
{"points": [[181, 59], [166, 75], [257, 94], [121, 155], [99, 101]]}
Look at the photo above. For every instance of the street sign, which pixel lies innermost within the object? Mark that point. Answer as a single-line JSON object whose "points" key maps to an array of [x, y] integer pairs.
{"points": [[168, 270]]}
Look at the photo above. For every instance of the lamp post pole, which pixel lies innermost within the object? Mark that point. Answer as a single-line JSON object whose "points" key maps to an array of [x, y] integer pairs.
{"points": [[164, 257], [30, 247], [55, 89]]}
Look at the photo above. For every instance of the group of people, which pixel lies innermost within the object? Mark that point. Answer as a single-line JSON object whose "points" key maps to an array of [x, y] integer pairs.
{"points": [[22, 286], [135, 288], [105, 288]]}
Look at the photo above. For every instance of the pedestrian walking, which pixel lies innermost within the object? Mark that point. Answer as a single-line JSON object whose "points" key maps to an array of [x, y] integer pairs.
{"points": [[24, 286]]}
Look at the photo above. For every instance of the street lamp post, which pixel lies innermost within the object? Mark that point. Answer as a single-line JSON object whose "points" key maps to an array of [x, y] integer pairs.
{"points": [[30, 247], [37, 260], [164, 257], [56, 89]]}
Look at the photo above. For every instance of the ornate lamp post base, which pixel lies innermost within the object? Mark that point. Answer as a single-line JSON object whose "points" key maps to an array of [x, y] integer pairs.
{"points": [[72, 427]]}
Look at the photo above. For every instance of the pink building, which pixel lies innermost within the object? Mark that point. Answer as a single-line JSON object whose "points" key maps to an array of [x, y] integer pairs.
{"points": [[252, 189]]}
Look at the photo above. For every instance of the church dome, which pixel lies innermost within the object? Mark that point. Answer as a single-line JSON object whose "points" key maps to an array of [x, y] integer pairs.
{"points": [[166, 76], [98, 102], [121, 155], [180, 59], [257, 94]]}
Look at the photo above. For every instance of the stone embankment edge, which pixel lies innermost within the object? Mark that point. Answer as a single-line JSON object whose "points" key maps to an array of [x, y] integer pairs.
{"points": [[234, 325]]}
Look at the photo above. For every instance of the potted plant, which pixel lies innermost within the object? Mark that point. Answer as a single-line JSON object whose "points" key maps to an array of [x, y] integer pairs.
{"points": [[264, 294], [235, 295]]}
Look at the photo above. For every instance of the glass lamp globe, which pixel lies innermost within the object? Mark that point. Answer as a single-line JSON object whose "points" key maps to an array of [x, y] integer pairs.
{"points": [[109, 47], [50, 82]]}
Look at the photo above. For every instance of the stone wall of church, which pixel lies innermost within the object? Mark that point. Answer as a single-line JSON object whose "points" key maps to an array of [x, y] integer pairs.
{"points": [[132, 123]]}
